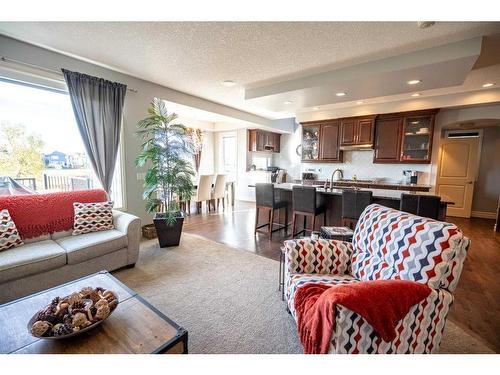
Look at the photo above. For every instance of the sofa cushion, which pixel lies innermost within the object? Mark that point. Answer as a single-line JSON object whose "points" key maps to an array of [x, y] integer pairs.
{"points": [[9, 236], [92, 245], [30, 259]]}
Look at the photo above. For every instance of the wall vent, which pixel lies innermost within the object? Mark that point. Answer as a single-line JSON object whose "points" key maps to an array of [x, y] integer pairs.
{"points": [[462, 134]]}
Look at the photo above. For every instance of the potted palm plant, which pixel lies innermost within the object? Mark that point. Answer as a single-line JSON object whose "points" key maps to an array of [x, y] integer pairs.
{"points": [[167, 148]]}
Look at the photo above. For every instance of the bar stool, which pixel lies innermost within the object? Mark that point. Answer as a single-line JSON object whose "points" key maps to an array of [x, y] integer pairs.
{"points": [[305, 204], [353, 204], [265, 199], [421, 205]]}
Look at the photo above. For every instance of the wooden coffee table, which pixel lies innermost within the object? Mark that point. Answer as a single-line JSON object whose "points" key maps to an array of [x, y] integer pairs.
{"points": [[134, 327]]}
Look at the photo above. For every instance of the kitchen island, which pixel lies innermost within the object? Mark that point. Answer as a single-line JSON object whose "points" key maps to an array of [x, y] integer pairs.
{"points": [[333, 200]]}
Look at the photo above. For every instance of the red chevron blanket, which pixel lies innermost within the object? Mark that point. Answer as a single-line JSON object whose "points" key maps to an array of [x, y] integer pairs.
{"points": [[382, 303], [39, 214]]}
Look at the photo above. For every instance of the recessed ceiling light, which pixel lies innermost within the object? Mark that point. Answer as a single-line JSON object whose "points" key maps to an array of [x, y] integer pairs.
{"points": [[359, 102], [287, 102], [489, 84], [315, 108], [228, 83], [413, 82], [341, 94], [416, 94]]}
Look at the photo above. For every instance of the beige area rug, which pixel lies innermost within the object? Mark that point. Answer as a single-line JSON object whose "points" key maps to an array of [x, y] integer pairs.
{"points": [[228, 299]]}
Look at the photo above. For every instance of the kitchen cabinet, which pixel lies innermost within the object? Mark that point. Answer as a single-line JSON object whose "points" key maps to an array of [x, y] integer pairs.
{"points": [[416, 142], [263, 141], [404, 137], [329, 149], [348, 132], [357, 131], [387, 140], [320, 141], [310, 142]]}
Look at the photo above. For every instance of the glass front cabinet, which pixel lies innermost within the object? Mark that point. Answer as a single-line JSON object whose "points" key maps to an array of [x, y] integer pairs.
{"points": [[416, 144], [310, 142]]}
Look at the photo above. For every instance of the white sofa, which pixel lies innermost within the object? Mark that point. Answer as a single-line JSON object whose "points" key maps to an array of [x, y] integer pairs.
{"points": [[49, 260]]}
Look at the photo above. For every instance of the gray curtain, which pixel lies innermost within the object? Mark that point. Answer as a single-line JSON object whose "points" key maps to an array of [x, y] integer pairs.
{"points": [[97, 105]]}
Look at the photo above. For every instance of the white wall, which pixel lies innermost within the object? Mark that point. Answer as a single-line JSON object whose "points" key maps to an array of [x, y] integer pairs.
{"points": [[135, 107], [487, 187], [207, 162]]}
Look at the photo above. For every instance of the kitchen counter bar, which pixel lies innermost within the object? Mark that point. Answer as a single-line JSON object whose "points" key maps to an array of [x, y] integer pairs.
{"points": [[333, 201], [369, 185], [377, 193]]}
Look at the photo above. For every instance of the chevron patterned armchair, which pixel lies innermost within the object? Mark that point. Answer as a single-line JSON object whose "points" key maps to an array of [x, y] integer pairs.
{"points": [[387, 244]]}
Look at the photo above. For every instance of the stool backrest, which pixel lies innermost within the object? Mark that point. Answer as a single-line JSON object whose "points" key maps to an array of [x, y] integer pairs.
{"points": [[304, 198], [264, 194], [354, 202], [421, 205]]}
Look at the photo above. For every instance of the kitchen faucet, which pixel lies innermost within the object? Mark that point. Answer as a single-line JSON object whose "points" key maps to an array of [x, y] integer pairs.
{"points": [[333, 174]]}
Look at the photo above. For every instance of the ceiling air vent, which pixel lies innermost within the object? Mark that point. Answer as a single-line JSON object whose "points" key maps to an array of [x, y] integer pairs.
{"points": [[462, 133]]}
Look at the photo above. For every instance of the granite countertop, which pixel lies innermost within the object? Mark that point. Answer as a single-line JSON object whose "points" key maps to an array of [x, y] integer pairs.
{"points": [[377, 193], [380, 183]]}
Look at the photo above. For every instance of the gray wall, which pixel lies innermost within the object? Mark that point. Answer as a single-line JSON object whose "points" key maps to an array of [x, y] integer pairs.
{"points": [[487, 187], [135, 107]]}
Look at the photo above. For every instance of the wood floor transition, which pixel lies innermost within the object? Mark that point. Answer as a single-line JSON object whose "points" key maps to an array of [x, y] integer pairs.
{"points": [[477, 305]]}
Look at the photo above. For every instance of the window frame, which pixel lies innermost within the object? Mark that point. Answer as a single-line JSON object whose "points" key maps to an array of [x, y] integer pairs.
{"points": [[39, 80]]}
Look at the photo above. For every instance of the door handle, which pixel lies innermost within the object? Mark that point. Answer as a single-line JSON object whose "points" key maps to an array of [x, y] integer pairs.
{"points": [[470, 182]]}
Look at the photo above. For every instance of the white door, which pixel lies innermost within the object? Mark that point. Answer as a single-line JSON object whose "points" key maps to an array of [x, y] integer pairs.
{"points": [[457, 172]]}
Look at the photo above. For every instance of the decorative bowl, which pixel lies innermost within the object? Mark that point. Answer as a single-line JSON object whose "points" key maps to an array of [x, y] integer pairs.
{"points": [[74, 314]]}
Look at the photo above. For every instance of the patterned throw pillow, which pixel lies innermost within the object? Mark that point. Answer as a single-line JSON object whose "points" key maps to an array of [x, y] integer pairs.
{"points": [[92, 217], [9, 236]]}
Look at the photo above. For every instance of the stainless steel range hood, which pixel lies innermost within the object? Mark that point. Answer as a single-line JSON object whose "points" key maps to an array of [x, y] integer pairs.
{"points": [[365, 147]]}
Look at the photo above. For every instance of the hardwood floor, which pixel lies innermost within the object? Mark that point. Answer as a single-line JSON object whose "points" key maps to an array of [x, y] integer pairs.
{"points": [[477, 303]]}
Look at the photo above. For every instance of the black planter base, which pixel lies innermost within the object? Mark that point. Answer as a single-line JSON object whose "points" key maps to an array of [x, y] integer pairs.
{"points": [[168, 235]]}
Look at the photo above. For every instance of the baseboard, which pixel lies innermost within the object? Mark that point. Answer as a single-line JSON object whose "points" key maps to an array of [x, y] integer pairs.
{"points": [[484, 214]]}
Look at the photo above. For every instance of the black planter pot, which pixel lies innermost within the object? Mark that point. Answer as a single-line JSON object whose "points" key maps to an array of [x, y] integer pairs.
{"points": [[168, 235]]}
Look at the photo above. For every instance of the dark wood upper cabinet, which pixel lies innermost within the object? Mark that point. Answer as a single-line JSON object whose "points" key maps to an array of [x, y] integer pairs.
{"points": [[321, 141], [329, 149], [387, 139], [365, 131], [348, 132], [404, 137], [357, 131], [310, 141], [263, 141]]}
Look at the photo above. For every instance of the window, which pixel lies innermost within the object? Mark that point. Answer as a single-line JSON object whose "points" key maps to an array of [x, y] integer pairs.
{"points": [[40, 146]]}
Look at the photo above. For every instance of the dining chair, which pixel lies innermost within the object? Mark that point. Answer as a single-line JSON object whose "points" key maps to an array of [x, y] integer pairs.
{"points": [[203, 192], [219, 191]]}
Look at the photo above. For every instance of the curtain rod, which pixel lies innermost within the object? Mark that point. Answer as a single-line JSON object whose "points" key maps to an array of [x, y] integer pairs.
{"points": [[53, 71]]}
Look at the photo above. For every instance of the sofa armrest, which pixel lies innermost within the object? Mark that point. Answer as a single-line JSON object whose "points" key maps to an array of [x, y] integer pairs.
{"points": [[131, 226], [318, 256], [420, 331]]}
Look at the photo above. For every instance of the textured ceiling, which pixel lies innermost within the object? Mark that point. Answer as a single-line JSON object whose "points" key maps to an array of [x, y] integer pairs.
{"points": [[195, 56]]}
